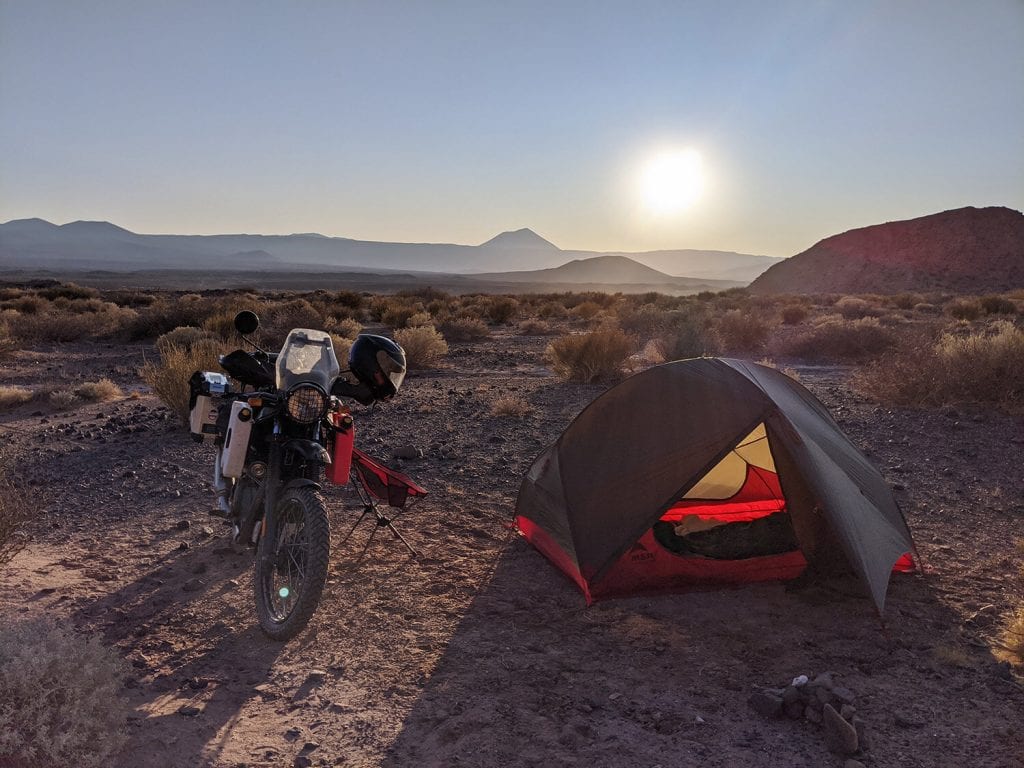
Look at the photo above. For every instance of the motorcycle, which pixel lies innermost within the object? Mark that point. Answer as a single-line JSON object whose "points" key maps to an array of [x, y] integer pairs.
{"points": [[278, 436]]}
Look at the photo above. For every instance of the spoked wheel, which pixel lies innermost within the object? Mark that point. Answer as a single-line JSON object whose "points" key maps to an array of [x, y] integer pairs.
{"points": [[291, 563]]}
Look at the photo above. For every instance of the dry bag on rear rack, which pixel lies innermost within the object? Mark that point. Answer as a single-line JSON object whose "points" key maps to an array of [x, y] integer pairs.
{"points": [[206, 388]]}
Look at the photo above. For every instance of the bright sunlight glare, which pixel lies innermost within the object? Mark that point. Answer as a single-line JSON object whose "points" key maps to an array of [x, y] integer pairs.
{"points": [[671, 181]]}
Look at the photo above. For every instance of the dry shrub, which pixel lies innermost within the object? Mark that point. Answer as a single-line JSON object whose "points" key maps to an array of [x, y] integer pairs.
{"points": [[854, 308], [551, 310], [737, 331], [794, 314], [15, 512], [964, 309], [511, 406], [588, 357], [169, 377], [997, 305], [347, 328], [839, 340], [501, 309], [12, 396], [535, 328], [103, 390], [684, 334], [905, 300], [297, 313], [464, 329], [1011, 641], [68, 291], [342, 345], [61, 697], [418, 319], [62, 399], [64, 325], [586, 310], [984, 367], [165, 315], [424, 346], [186, 336]]}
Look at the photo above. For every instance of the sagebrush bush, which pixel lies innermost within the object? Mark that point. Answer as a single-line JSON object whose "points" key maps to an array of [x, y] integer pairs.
{"points": [[981, 367], [793, 314], [501, 309], [683, 334], [535, 328], [589, 357], [737, 331], [61, 697], [964, 309], [424, 346], [186, 336], [464, 329], [347, 328], [835, 340], [169, 377], [854, 308], [103, 390], [997, 305]]}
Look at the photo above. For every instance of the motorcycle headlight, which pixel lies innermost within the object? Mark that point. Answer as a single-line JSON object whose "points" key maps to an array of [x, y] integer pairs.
{"points": [[306, 404]]}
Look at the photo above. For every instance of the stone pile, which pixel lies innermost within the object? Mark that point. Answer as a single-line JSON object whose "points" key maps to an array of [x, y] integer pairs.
{"points": [[822, 701]]}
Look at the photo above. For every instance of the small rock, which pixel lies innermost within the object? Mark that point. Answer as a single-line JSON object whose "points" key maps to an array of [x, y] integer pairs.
{"points": [[851, 763], [848, 711], [293, 733], [302, 761], [906, 720], [860, 725], [812, 715], [766, 704], [316, 677], [184, 545], [193, 585], [407, 452], [198, 683], [1003, 670], [840, 736], [309, 746], [845, 695], [188, 710], [790, 694], [206, 531], [182, 525]]}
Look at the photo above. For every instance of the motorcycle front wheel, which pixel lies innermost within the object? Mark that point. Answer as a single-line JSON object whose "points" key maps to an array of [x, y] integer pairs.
{"points": [[291, 563]]}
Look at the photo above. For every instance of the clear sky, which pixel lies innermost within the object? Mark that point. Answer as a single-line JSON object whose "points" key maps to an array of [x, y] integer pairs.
{"points": [[445, 121]]}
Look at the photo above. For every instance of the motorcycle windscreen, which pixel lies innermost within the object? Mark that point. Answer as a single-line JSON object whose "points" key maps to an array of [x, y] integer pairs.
{"points": [[307, 356]]}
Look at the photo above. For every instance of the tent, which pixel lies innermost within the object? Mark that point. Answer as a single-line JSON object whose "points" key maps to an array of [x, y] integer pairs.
{"points": [[705, 472]]}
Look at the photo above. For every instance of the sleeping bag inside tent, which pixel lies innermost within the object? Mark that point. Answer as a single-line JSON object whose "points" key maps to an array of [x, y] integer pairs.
{"points": [[709, 472]]}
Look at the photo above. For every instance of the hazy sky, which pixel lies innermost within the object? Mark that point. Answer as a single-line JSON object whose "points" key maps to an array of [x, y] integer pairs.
{"points": [[452, 121]]}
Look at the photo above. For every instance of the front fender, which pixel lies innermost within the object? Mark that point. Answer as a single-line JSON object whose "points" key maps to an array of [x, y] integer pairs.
{"points": [[302, 482], [310, 450]]}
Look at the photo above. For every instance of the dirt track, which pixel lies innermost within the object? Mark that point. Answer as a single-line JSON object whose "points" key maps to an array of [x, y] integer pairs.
{"points": [[480, 653]]}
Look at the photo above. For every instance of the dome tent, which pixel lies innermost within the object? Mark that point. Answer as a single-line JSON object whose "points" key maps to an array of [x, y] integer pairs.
{"points": [[678, 476]]}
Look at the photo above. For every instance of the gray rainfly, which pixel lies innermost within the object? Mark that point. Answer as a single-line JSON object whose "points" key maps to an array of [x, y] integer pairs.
{"points": [[709, 471]]}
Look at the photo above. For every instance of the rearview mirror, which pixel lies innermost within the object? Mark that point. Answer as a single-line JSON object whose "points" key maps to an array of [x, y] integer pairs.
{"points": [[246, 322]]}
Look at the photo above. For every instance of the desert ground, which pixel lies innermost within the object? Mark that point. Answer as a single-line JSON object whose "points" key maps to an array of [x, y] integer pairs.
{"points": [[478, 652]]}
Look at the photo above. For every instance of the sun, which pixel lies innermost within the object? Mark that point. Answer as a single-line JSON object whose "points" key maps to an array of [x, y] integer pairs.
{"points": [[672, 181]]}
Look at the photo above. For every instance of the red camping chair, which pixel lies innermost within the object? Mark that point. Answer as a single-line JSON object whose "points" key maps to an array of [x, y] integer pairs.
{"points": [[374, 482]]}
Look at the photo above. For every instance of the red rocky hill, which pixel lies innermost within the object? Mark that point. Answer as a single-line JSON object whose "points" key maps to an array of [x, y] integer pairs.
{"points": [[967, 250]]}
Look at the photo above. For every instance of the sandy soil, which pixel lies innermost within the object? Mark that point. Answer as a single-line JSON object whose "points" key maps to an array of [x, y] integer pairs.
{"points": [[479, 653]]}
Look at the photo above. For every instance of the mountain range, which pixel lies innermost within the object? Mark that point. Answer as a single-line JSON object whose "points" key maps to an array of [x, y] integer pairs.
{"points": [[100, 245]]}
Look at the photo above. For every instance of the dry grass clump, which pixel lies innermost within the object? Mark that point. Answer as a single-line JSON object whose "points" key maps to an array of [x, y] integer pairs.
{"points": [[61, 700], [169, 377], [1010, 646], [14, 512], [510, 406], [589, 357], [424, 346], [535, 328], [843, 340], [464, 329], [981, 367], [12, 396], [186, 336], [347, 327], [103, 391]]}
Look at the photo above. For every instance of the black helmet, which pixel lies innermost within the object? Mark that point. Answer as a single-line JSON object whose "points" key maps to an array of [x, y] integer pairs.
{"points": [[378, 363]]}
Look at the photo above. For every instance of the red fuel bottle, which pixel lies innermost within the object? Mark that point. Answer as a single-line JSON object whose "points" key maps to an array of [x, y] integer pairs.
{"points": [[341, 456]]}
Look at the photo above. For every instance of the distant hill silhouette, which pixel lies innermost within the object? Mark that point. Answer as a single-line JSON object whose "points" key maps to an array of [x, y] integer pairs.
{"points": [[967, 250], [520, 238], [597, 269], [98, 245]]}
